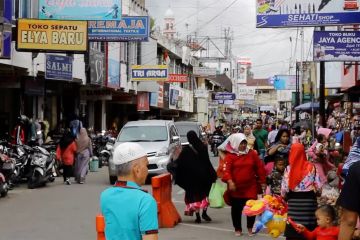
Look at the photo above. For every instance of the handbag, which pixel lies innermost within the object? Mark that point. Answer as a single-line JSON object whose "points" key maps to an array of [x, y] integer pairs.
{"points": [[216, 198]]}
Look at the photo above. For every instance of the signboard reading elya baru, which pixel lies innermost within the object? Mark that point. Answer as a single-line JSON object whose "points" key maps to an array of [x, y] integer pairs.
{"points": [[80, 9], [149, 73], [336, 46], [52, 35], [300, 13], [126, 29]]}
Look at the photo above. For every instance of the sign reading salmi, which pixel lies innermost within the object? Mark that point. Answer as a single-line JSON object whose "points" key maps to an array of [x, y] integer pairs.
{"points": [[53, 35], [149, 73]]}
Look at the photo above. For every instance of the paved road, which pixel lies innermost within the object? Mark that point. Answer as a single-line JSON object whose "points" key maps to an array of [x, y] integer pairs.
{"points": [[59, 212]]}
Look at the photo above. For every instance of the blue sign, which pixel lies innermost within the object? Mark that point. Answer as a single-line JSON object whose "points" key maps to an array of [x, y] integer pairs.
{"points": [[295, 13], [284, 82], [154, 99], [113, 74], [126, 29], [59, 67], [224, 96], [80, 9], [336, 46], [6, 29]]}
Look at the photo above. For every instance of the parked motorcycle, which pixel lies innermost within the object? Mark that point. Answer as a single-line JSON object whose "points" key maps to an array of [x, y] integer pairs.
{"points": [[102, 147], [42, 168], [4, 188]]}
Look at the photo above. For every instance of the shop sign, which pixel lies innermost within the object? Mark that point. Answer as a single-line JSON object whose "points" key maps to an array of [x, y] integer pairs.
{"points": [[59, 67], [51, 35], [201, 93], [246, 93], [336, 46], [126, 29], [143, 103], [283, 82], [80, 9], [224, 96], [181, 78], [149, 73], [6, 29], [295, 13], [204, 71], [154, 99]]}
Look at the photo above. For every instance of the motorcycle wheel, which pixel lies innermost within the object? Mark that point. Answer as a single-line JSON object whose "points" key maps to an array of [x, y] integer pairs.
{"points": [[34, 181], [4, 192]]}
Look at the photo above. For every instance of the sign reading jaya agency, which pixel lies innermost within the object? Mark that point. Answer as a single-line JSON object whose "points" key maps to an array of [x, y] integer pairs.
{"points": [[52, 35], [336, 46], [80, 9], [295, 13], [126, 29], [149, 73]]}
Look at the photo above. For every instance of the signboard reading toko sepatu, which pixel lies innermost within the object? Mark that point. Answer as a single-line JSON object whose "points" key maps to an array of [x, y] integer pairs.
{"points": [[126, 29], [149, 73], [80, 9], [59, 67], [336, 46], [300, 13], [52, 35]]}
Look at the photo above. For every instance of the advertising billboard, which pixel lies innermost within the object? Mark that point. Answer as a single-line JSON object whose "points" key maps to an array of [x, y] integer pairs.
{"points": [[336, 46], [59, 67], [126, 29], [51, 35], [6, 29], [284, 82], [306, 13], [149, 73], [80, 10]]}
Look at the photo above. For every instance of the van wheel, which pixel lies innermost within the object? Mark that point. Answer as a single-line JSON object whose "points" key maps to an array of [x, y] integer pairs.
{"points": [[112, 180]]}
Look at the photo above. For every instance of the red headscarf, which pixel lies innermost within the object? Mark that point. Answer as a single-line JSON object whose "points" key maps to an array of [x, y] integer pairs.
{"points": [[299, 165]]}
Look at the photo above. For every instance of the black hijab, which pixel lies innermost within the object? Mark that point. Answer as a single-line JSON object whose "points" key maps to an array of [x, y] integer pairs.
{"points": [[66, 140]]}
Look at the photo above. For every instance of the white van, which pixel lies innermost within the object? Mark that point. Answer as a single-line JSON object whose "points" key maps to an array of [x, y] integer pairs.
{"points": [[159, 138]]}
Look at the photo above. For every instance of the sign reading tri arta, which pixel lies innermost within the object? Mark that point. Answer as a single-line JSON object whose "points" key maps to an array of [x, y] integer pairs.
{"points": [[60, 36], [149, 73]]}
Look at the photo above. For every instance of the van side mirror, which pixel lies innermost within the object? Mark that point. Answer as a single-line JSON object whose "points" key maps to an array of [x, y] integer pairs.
{"points": [[175, 138]]}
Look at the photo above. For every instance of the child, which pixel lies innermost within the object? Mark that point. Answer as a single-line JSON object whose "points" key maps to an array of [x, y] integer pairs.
{"points": [[276, 176], [326, 230]]}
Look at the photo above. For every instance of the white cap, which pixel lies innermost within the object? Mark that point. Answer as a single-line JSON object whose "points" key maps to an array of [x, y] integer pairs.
{"points": [[127, 152]]}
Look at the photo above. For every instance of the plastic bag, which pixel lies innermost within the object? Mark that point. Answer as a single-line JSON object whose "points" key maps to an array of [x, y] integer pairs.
{"points": [[216, 198]]}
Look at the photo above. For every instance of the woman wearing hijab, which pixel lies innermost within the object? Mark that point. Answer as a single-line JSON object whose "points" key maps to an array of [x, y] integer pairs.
{"points": [[299, 186], [243, 170], [195, 174], [84, 152], [65, 152], [250, 138]]}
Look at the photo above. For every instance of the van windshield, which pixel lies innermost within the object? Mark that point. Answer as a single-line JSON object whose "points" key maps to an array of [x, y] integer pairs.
{"points": [[143, 134]]}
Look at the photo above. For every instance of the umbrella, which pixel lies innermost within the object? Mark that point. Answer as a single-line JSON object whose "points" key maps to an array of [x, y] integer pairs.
{"points": [[308, 106]]}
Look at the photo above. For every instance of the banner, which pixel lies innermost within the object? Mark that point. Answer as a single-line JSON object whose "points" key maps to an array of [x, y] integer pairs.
{"points": [[80, 9], [300, 13], [52, 35], [284, 82], [224, 96], [336, 46], [126, 29], [6, 29], [161, 95], [143, 101], [154, 99], [181, 78], [149, 73], [97, 66], [204, 71], [113, 65], [246, 93], [59, 67]]}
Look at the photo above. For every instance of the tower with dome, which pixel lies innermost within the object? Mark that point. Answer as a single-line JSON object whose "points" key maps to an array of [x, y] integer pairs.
{"points": [[169, 20]]}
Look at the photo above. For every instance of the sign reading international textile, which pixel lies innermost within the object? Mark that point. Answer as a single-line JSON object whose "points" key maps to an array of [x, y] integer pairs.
{"points": [[149, 73], [224, 96], [126, 29], [80, 9], [52, 35], [59, 67], [295, 13], [182, 78], [336, 46]]}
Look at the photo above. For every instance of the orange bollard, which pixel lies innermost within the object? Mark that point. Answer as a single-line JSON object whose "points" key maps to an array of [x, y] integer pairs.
{"points": [[100, 227], [167, 213]]}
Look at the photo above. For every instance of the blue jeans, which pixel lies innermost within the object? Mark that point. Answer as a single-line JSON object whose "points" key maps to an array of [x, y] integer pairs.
{"points": [[262, 154]]}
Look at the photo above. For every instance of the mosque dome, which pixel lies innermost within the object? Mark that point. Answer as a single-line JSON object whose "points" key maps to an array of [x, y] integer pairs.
{"points": [[169, 13]]}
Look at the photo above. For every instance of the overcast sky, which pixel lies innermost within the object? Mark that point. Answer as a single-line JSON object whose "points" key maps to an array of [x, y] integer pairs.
{"points": [[269, 49]]}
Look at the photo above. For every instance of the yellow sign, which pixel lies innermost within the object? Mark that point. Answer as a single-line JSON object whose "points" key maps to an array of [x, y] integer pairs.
{"points": [[52, 35]]}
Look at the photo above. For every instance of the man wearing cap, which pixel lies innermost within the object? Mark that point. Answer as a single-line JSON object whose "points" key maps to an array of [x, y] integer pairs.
{"points": [[130, 213]]}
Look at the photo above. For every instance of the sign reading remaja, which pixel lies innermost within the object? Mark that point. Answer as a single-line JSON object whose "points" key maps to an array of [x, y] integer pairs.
{"points": [[61, 36]]}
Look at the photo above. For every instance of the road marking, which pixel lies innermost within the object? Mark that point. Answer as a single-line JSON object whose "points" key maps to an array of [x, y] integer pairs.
{"points": [[220, 229]]}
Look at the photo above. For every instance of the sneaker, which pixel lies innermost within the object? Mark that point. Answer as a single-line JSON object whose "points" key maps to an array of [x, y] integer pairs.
{"points": [[238, 233], [68, 182], [81, 182]]}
